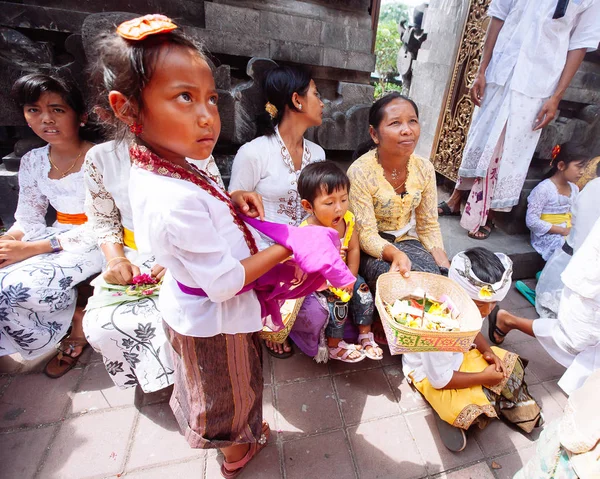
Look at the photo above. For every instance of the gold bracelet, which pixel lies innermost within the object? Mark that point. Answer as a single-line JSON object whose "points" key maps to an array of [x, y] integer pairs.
{"points": [[10, 236], [114, 259]]}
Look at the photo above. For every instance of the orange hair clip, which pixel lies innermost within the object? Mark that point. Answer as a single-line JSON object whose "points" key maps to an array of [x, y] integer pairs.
{"points": [[555, 152], [141, 27]]}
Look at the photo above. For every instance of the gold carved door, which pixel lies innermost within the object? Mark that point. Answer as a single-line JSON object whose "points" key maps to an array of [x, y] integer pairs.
{"points": [[455, 118]]}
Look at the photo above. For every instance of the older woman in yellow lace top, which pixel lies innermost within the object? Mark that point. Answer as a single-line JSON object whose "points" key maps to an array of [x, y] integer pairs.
{"points": [[393, 195]]}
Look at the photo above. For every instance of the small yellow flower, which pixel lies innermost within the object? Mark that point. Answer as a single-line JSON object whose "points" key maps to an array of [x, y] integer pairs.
{"points": [[486, 292], [271, 109]]}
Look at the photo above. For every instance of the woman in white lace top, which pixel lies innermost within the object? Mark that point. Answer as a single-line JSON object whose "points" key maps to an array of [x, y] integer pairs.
{"points": [[129, 334], [271, 165], [41, 265]]}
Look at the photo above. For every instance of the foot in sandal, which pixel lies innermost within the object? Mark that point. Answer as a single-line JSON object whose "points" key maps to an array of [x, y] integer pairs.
{"points": [[279, 350], [69, 349], [342, 351], [230, 470], [369, 346]]}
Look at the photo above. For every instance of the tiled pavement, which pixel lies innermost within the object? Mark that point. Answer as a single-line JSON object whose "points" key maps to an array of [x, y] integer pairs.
{"points": [[334, 420]]}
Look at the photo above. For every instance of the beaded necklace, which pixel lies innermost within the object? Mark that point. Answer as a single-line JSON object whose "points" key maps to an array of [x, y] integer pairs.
{"points": [[149, 161]]}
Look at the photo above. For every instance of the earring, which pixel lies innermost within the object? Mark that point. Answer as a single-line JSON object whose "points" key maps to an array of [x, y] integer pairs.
{"points": [[136, 128], [28, 125], [82, 124], [299, 106]]}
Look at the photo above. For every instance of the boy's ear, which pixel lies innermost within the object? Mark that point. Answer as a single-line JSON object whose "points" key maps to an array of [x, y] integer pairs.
{"points": [[122, 107], [307, 206]]}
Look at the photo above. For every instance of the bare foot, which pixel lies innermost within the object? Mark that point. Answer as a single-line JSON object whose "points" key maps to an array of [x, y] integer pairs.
{"points": [[279, 348]]}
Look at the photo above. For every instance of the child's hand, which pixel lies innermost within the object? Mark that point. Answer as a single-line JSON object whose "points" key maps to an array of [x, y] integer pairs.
{"points": [[249, 203], [566, 230], [491, 358], [491, 376], [348, 289], [344, 253]]}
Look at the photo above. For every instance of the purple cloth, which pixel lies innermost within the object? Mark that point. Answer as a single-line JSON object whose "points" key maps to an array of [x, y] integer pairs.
{"points": [[316, 259]]}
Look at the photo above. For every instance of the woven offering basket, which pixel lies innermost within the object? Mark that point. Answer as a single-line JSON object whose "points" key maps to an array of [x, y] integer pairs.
{"points": [[402, 339], [289, 312]]}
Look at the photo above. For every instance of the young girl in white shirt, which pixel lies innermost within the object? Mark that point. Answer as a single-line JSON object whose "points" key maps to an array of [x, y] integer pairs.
{"points": [[160, 85]]}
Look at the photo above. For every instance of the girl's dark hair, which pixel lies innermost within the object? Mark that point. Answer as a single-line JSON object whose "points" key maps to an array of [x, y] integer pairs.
{"points": [[485, 264], [568, 154], [127, 67], [376, 116], [323, 177], [28, 89], [598, 169], [279, 85]]}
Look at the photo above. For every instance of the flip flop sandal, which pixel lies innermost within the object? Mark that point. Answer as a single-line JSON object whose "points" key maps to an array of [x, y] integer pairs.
{"points": [[493, 329], [284, 354], [485, 231], [369, 341], [446, 211], [348, 349], [63, 362], [229, 470], [454, 438], [526, 291]]}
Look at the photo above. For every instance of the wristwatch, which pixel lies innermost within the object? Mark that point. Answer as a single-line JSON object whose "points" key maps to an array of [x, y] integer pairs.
{"points": [[55, 244]]}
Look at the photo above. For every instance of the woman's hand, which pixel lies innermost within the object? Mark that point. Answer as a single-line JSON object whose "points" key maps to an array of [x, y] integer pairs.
{"points": [[158, 272], [401, 264], [249, 203], [121, 273], [14, 251], [478, 89], [494, 360]]}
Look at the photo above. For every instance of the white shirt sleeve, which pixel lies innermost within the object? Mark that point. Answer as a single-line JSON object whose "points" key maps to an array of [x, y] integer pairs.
{"points": [[190, 237], [439, 368], [500, 8], [586, 33], [30, 216], [537, 199], [246, 168]]}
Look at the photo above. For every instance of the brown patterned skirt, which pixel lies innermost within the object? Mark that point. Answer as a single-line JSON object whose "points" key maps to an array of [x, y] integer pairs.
{"points": [[217, 397]]}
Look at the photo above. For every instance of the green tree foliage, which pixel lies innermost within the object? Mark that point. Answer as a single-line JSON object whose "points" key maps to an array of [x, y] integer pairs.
{"points": [[387, 45]]}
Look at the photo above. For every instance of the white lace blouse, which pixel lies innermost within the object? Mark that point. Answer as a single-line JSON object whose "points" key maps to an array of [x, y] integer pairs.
{"points": [[107, 168], [265, 165], [544, 198], [37, 191]]}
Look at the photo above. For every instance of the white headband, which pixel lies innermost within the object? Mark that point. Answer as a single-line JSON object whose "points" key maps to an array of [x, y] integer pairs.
{"points": [[461, 272]]}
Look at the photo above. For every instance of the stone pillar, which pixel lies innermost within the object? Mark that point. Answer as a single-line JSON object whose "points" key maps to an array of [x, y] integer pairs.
{"points": [[433, 68]]}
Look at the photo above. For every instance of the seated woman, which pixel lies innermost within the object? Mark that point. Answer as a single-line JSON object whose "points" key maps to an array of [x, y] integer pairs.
{"points": [[393, 195], [40, 265], [468, 388], [128, 334], [271, 165]]}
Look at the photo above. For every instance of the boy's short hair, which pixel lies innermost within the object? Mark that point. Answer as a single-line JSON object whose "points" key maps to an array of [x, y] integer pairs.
{"points": [[319, 178], [485, 264]]}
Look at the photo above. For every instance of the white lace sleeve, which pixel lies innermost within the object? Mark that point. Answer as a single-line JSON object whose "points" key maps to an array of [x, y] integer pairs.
{"points": [[30, 217], [538, 198], [102, 212], [77, 239]]}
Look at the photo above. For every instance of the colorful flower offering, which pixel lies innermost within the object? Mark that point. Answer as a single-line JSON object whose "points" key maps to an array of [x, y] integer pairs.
{"points": [[420, 311]]}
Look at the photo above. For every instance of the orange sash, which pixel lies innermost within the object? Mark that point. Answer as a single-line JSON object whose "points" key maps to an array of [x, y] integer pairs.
{"points": [[67, 219]]}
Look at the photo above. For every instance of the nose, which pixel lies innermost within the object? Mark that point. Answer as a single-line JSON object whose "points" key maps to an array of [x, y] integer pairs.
{"points": [[206, 116], [404, 129], [47, 118]]}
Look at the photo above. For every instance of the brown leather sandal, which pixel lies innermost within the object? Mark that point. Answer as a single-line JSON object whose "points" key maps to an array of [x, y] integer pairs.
{"points": [[63, 362]]}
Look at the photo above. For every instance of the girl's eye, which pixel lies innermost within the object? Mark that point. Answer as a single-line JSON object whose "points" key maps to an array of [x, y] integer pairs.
{"points": [[32, 110], [329, 204], [186, 97], [59, 110], [214, 99]]}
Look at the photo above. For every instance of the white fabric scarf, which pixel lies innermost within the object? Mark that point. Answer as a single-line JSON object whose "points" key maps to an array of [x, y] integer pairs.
{"points": [[461, 271]]}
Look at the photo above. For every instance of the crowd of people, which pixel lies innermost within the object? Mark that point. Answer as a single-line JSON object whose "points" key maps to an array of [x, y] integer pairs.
{"points": [[185, 273]]}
